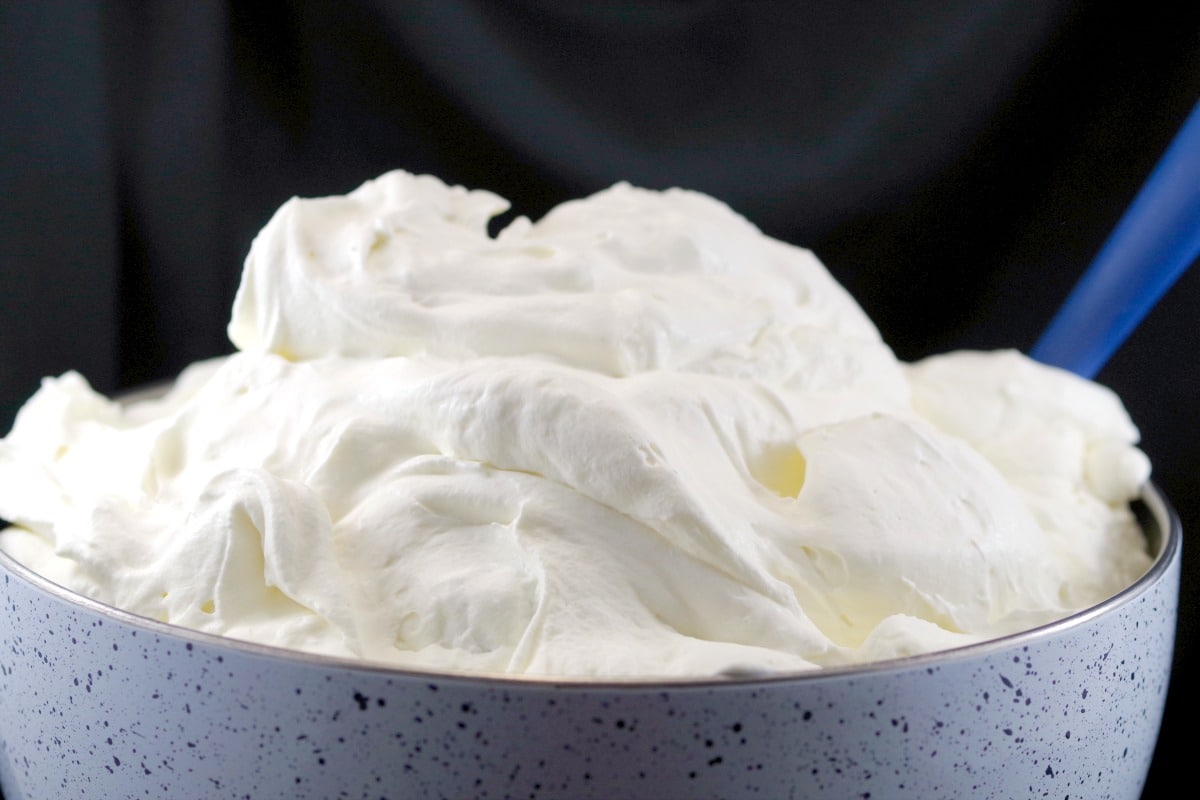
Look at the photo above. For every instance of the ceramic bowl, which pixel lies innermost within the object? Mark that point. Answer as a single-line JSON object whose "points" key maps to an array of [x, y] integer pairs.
{"points": [[99, 703]]}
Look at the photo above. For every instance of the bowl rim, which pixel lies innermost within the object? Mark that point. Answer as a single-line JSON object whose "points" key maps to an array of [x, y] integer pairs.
{"points": [[1160, 523]]}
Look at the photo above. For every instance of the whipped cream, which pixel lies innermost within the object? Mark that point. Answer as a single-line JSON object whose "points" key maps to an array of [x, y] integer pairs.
{"points": [[634, 438]]}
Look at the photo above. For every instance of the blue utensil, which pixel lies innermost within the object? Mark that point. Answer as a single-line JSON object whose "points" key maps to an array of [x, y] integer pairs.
{"points": [[1155, 241]]}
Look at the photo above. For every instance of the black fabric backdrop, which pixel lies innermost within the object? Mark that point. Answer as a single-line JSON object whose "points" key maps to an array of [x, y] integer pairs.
{"points": [[956, 165]]}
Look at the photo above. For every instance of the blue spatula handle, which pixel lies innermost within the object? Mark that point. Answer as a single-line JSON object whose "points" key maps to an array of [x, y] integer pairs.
{"points": [[1153, 244]]}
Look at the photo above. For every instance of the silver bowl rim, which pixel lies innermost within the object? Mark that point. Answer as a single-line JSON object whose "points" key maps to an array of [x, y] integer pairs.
{"points": [[1167, 531]]}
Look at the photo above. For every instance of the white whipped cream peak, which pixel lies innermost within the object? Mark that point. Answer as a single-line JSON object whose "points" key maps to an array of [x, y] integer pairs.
{"points": [[636, 437]]}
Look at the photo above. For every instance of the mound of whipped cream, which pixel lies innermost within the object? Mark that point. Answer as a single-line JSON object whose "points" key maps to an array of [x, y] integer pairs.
{"points": [[634, 438]]}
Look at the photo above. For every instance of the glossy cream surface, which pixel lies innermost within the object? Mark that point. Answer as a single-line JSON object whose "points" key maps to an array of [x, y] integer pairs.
{"points": [[634, 438]]}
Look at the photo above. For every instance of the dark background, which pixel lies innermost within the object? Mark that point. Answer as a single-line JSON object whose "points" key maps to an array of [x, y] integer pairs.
{"points": [[956, 165]]}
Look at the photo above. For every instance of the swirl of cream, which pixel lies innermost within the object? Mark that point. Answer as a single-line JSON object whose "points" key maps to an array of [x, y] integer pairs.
{"points": [[636, 423]]}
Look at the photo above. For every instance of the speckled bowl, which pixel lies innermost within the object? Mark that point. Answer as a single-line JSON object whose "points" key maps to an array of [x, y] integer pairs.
{"points": [[98, 703]]}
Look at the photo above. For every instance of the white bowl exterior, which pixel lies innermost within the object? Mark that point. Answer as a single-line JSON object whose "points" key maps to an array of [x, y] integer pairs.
{"points": [[93, 706]]}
